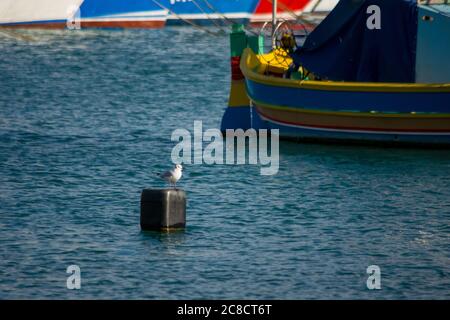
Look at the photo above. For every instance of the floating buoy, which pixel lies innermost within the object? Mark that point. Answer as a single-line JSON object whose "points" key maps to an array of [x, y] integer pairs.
{"points": [[163, 209]]}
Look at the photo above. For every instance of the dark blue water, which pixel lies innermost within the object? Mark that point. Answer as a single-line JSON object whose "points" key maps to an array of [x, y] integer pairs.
{"points": [[85, 121]]}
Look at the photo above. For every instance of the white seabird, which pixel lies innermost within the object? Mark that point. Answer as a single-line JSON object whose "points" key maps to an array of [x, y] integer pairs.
{"points": [[173, 175]]}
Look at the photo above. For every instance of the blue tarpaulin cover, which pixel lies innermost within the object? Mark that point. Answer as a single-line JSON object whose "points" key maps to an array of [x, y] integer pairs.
{"points": [[343, 48]]}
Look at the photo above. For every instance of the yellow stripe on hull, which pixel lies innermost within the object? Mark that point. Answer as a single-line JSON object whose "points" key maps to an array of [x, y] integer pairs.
{"points": [[253, 68]]}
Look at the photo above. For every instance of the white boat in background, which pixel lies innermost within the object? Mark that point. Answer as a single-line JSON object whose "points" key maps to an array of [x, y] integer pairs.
{"points": [[37, 13], [57, 14], [53, 14], [320, 6]]}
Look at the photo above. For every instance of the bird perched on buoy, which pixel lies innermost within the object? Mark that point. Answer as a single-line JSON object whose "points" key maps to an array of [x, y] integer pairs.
{"points": [[173, 175]]}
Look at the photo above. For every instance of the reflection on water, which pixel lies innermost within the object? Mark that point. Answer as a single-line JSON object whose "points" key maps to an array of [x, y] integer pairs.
{"points": [[168, 240]]}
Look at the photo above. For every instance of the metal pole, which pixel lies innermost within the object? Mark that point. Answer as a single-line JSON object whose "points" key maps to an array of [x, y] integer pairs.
{"points": [[274, 19]]}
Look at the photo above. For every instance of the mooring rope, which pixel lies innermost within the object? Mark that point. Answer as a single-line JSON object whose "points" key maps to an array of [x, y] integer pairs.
{"points": [[225, 18], [185, 20], [315, 6], [284, 7], [207, 15]]}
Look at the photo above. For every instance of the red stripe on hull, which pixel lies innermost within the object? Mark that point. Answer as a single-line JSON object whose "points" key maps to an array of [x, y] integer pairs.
{"points": [[236, 73], [265, 6], [124, 24], [91, 24]]}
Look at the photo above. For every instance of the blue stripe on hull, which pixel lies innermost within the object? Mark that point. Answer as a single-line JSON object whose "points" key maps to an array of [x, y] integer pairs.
{"points": [[349, 101], [98, 8]]}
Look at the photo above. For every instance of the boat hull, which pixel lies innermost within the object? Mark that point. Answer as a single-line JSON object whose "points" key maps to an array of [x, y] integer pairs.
{"points": [[53, 14], [103, 24], [122, 14], [350, 112], [133, 24], [48, 14], [36, 25], [307, 125]]}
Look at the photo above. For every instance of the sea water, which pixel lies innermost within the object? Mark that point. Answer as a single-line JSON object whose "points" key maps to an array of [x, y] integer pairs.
{"points": [[85, 124]]}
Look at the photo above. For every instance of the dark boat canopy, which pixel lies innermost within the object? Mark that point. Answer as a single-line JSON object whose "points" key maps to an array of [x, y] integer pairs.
{"points": [[344, 48]]}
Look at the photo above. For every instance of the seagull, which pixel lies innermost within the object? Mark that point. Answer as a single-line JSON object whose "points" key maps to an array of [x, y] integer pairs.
{"points": [[173, 175]]}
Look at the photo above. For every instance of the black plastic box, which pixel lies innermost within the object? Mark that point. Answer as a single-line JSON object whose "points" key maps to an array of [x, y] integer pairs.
{"points": [[163, 209]]}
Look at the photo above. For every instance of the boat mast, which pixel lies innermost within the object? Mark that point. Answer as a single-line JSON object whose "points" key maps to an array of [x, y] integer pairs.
{"points": [[274, 20]]}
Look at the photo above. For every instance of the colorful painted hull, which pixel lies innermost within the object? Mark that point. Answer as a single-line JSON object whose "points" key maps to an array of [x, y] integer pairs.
{"points": [[92, 13], [122, 14], [358, 112], [37, 13], [208, 12]]}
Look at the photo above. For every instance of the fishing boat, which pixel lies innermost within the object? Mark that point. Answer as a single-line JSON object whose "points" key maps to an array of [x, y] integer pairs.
{"points": [[207, 12], [358, 78], [290, 9], [89, 13]]}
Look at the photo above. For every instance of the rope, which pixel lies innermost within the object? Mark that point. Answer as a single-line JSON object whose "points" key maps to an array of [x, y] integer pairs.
{"points": [[185, 20], [225, 18], [218, 12], [284, 7], [207, 14], [315, 6]]}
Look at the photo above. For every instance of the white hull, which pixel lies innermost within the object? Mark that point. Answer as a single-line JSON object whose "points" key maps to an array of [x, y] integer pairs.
{"points": [[320, 6], [37, 11]]}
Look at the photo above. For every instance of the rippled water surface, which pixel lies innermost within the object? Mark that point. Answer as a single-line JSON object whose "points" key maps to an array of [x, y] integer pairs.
{"points": [[85, 121]]}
